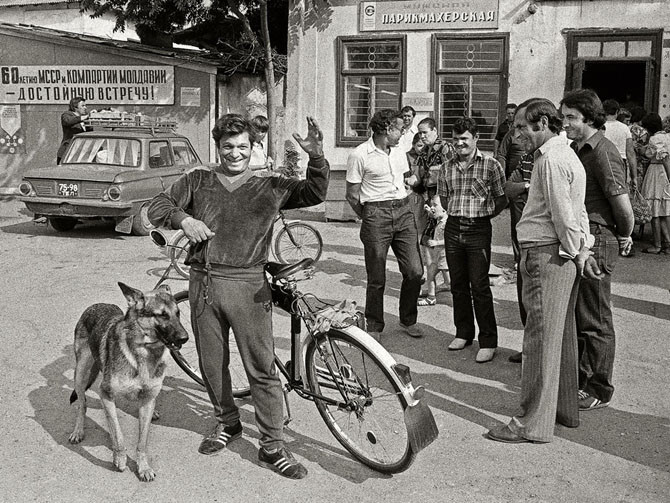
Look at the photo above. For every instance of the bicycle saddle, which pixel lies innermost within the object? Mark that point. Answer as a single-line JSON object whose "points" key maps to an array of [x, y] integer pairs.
{"points": [[282, 271]]}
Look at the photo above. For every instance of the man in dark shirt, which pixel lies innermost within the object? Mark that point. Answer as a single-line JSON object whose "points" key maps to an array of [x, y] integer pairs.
{"points": [[227, 212], [611, 222], [72, 123], [504, 127]]}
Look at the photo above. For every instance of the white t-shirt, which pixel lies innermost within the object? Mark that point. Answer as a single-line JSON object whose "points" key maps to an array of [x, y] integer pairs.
{"points": [[405, 143], [381, 175], [617, 132]]}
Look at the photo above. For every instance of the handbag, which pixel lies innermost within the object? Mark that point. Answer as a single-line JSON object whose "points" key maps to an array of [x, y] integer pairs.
{"points": [[428, 231], [641, 208]]}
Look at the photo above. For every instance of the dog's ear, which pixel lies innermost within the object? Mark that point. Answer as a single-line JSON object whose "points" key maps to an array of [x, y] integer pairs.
{"points": [[134, 297], [166, 288]]}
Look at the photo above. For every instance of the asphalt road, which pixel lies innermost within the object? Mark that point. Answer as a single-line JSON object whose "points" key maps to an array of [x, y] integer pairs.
{"points": [[618, 454]]}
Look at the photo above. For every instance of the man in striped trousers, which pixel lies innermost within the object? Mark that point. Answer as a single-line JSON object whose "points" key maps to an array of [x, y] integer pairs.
{"points": [[554, 238]]}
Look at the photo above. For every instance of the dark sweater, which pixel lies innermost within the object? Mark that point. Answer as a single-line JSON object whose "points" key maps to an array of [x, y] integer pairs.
{"points": [[241, 215]]}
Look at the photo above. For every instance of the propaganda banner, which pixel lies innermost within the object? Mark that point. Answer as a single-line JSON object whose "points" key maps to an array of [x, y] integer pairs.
{"points": [[98, 85]]}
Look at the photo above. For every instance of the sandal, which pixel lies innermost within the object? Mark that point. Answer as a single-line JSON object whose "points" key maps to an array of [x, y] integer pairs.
{"points": [[427, 301]]}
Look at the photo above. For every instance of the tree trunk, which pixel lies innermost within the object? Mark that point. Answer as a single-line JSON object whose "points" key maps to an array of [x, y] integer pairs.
{"points": [[269, 71]]}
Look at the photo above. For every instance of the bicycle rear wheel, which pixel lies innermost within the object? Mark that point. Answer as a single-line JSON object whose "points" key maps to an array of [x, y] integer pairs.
{"points": [[372, 425], [297, 241], [187, 356], [177, 255]]}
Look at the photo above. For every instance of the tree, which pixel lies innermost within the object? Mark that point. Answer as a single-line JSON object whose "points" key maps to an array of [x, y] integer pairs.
{"points": [[238, 30]]}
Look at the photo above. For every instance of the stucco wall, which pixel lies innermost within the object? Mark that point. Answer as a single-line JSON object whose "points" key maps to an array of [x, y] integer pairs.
{"points": [[41, 122], [537, 52]]}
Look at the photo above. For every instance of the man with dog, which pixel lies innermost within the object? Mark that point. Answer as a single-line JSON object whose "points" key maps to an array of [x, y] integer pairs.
{"points": [[228, 213]]}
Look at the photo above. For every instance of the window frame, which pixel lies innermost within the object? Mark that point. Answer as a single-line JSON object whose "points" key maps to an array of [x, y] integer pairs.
{"points": [[436, 73], [349, 141]]}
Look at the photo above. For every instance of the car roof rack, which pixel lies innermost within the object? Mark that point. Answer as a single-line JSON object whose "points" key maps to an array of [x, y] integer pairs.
{"points": [[129, 121]]}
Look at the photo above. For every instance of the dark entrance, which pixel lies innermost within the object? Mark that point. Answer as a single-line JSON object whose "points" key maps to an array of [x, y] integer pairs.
{"points": [[619, 80]]}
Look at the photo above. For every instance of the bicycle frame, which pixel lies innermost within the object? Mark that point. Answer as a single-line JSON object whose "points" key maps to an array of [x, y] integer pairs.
{"points": [[286, 296]]}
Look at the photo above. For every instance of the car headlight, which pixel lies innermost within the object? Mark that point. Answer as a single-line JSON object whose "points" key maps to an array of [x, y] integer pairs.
{"points": [[113, 193], [26, 189]]}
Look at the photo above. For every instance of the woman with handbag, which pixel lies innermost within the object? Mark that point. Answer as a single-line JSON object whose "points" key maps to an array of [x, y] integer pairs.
{"points": [[656, 184]]}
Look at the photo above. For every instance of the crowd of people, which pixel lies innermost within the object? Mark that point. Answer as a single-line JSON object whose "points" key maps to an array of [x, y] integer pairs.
{"points": [[568, 174]]}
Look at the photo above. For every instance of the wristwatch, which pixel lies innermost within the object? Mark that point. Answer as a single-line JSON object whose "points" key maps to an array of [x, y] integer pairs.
{"points": [[526, 186]]}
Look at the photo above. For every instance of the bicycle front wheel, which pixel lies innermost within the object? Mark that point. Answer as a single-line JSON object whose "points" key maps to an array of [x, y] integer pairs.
{"points": [[297, 241], [177, 255], [187, 356], [371, 424]]}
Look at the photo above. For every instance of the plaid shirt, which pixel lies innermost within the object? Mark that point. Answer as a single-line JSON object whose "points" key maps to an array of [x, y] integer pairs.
{"points": [[471, 190]]}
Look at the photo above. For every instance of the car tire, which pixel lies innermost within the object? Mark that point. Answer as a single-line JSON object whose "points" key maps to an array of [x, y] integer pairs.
{"points": [[141, 224], [62, 224]]}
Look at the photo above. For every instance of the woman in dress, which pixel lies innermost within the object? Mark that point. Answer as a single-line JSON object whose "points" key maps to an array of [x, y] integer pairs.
{"points": [[656, 184], [640, 141]]}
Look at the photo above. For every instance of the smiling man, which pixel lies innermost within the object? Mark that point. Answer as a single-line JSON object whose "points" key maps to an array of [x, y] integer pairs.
{"points": [[553, 232], [470, 186], [227, 212]]}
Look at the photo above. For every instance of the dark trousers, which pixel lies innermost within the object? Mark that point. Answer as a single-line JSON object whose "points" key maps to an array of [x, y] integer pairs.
{"points": [[595, 327], [246, 307], [385, 226], [468, 247]]}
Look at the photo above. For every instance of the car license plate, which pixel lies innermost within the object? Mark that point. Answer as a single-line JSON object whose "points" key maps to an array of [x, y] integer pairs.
{"points": [[68, 189]]}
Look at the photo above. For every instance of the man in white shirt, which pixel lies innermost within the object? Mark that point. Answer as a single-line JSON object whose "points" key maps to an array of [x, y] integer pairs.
{"points": [[619, 134], [409, 129], [553, 233], [376, 192]]}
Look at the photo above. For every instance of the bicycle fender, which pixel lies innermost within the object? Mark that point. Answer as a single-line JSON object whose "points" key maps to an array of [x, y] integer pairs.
{"points": [[384, 356]]}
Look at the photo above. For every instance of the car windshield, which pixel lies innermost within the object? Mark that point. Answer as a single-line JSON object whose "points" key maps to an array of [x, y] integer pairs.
{"points": [[106, 151]]}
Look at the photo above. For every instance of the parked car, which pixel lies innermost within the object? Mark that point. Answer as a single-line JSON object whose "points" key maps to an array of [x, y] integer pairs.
{"points": [[111, 173]]}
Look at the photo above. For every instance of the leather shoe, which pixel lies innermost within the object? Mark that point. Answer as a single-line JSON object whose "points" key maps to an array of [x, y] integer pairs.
{"points": [[504, 434], [516, 357], [485, 355], [458, 344], [412, 330]]}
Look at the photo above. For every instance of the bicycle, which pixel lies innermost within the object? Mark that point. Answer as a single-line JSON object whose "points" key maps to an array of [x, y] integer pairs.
{"points": [[365, 397], [293, 241]]}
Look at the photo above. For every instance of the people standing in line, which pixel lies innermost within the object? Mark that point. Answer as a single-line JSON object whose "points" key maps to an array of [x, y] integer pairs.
{"points": [[227, 213], [554, 237], [470, 187], [619, 134], [259, 151], [611, 223], [409, 129], [516, 192], [72, 123], [656, 187], [504, 127], [377, 194], [640, 138]]}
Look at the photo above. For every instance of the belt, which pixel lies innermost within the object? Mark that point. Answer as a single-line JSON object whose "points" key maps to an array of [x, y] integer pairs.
{"points": [[468, 220], [391, 203]]}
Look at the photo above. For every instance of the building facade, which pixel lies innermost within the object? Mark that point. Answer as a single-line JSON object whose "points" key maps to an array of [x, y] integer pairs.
{"points": [[451, 58]]}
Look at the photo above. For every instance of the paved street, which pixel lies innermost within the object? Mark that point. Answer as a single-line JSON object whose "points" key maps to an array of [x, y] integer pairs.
{"points": [[618, 454]]}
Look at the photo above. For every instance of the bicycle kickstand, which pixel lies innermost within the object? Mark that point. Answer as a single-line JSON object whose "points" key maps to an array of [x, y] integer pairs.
{"points": [[287, 418]]}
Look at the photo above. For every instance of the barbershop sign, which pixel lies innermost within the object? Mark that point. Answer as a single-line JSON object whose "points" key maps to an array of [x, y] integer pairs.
{"points": [[428, 15], [99, 85]]}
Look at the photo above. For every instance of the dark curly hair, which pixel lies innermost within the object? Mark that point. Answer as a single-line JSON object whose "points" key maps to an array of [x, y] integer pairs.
{"points": [[652, 123], [535, 108], [589, 105], [465, 124], [382, 119], [232, 125]]}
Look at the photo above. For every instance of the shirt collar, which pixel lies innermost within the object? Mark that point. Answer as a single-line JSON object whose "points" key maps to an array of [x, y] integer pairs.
{"points": [[371, 147], [552, 142], [592, 142]]}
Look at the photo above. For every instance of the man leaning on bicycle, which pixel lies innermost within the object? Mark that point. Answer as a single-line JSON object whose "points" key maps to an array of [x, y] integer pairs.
{"points": [[227, 214]]}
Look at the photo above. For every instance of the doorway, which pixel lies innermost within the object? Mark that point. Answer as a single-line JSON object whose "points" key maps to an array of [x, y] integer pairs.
{"points": [[623, 81]]}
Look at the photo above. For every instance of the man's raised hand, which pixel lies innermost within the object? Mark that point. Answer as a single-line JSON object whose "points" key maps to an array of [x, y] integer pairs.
{"points": [[312, 143]]}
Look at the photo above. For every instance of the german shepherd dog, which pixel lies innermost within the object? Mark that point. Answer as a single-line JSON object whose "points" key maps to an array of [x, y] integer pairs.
{"points": [[131, 352]]}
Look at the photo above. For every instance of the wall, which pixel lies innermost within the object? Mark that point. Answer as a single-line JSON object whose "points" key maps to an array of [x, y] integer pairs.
{"points": [[537, 59], [41, 122]]}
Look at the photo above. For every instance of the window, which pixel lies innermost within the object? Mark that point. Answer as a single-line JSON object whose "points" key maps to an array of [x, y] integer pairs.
{"points": [[117, 151], [371, 78], [471, 81], [159, 154], [183, 154]]}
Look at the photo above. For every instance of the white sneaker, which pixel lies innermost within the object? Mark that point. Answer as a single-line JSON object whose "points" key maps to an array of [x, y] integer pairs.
{"points": [[458, 344], [485, 355]]}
